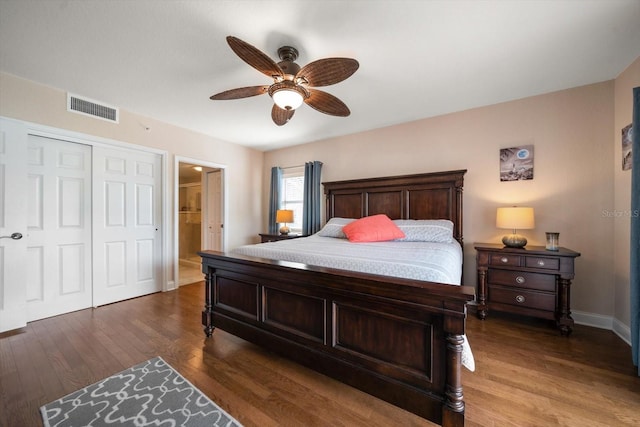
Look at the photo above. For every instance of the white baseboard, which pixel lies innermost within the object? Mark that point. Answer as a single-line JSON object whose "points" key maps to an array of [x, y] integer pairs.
{"points": [[622, 330], [592, 319], [603, 322]]}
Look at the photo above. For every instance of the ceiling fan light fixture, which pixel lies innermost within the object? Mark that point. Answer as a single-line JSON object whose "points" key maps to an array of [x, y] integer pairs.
{"points": [[287, 99], [287, 95]]}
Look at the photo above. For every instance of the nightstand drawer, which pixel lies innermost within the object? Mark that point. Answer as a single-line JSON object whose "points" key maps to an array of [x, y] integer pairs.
{"points": [[543, 263], [521, 297], [504, 259], [521, 279]]}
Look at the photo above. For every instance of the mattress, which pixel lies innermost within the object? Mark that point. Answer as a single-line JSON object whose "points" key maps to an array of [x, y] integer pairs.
{"points": [[429, 261]]}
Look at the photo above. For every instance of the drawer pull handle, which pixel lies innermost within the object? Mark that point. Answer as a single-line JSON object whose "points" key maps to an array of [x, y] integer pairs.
{"points": [[520, 280], [541, 263], [520, 299], [504, 259]]}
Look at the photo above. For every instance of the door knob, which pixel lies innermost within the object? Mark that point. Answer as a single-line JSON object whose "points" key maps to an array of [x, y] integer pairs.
{"points": [[14, 236]]}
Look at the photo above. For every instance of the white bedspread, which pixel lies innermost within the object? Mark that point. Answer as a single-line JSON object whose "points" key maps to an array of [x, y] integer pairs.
{"points": [[433, 262]]}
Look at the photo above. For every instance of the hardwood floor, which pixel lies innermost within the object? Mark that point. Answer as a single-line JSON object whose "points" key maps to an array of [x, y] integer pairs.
{"points": [[526, 373]]}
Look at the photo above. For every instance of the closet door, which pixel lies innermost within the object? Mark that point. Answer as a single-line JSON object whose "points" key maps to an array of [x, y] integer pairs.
{"points": [[127, 224], [13, 205], [58, 278]]}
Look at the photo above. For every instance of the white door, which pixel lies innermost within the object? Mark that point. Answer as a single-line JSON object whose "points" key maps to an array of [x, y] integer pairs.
{"points": [[13, 221], [214, 210], [127, 224], [58, 279]]}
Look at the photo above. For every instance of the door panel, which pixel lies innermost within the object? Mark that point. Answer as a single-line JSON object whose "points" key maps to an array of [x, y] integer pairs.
{"points": [[127, 212], [144, 208], [14, 258], [214, 199], [71, 260], [58, 279], [115, 202], [115, 262], [145, 254], [35, 288]]}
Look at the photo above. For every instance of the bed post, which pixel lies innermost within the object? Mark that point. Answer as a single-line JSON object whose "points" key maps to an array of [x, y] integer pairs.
{"points": [[207, 313], [453, 409], [458, 226]]}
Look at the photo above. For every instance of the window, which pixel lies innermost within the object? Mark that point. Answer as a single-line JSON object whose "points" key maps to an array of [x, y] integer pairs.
{"points": [[293, 195]]}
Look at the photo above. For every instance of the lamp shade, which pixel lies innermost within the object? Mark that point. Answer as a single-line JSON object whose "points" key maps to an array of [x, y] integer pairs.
{"points": [[515, 217], [283, 216]]}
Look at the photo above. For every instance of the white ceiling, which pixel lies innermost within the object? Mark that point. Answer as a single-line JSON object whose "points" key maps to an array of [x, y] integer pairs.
{"points": [[418, 59]]}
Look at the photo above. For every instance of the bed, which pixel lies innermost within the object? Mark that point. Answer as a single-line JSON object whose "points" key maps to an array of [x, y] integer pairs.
{"points": [[398, 338]]}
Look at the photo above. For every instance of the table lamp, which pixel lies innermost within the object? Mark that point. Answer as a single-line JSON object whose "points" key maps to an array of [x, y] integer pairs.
{"points": [[283, 217], [515, 218]]}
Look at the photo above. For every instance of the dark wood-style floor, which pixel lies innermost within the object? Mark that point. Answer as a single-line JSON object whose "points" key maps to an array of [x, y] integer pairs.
{"points": [[526, 373]]}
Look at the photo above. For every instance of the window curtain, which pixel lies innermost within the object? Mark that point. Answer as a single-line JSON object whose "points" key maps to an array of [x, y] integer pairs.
{"points": [[311, 199], [274, 198], [635, 230]]}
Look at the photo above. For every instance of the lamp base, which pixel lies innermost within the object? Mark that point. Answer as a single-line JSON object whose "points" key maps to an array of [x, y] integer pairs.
{"points": [[514, 241], [284, 230]]}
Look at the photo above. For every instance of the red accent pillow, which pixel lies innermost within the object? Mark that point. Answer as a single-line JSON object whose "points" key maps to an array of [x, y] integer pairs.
{"points": [[375, 228]]}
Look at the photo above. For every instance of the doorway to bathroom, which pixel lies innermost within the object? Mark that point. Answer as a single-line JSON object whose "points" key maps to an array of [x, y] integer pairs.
{"points": [[200, 215]]}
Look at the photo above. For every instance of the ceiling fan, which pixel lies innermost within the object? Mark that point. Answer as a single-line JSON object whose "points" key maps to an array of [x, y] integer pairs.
{"points": [[292, 85]]}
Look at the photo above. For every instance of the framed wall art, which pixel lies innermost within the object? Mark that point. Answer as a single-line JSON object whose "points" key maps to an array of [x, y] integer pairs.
{"points": [[516, 163], [627, 133]]}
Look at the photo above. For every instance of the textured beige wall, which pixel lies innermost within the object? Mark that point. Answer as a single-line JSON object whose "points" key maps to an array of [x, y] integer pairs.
{"points": [[624, 85], [573, 181], [25, 100]]}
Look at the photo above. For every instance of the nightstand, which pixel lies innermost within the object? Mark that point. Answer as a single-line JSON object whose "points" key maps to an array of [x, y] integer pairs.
{"points": [[265, 237], [530, 281]]}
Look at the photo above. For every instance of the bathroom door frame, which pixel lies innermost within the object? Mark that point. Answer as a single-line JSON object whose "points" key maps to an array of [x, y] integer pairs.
{"points": [[203, 204]]}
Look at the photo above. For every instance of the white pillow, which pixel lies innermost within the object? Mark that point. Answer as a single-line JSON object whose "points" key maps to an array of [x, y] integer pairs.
{"points": [[425, 230], [333, 228]]}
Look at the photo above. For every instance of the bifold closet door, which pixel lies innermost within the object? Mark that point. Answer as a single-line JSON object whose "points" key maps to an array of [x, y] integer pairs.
{"points": [[127, 209]]}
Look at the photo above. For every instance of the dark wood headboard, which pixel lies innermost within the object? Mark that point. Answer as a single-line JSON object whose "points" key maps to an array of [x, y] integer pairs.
{"points": [[436, 195]]}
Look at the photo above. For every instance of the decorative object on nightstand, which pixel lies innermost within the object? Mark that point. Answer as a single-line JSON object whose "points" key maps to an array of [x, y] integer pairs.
{"points": [[515, 218], [284, 216], [532, 282], [552, 241]]}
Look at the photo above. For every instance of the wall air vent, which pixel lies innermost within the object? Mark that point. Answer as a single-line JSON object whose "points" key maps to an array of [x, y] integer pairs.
{"points": [[92, 108]]}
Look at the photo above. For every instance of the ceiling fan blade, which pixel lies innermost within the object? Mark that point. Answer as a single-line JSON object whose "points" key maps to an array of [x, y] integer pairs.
{"points": [[281, 116], [243, 92], [326, 103], [254, 57], [328, 71]]}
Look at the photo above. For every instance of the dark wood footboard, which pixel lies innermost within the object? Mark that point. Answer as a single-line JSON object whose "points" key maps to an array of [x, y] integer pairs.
{"points": [[397, 339]]}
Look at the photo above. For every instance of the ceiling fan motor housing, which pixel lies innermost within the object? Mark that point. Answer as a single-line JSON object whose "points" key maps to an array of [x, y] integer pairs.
{"points": [[288, 55]]}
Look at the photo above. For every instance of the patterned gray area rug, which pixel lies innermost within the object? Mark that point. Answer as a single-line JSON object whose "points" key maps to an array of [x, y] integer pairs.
{"points": [[149, 394]]}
